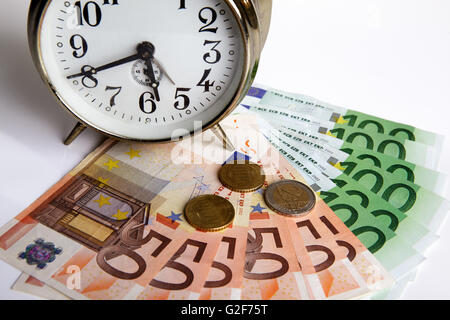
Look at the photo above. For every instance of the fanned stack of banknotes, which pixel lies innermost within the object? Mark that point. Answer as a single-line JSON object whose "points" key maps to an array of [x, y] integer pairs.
{"points": [[115, 227]]}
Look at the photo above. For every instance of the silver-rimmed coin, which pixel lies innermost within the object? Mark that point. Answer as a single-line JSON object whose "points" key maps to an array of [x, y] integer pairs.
{"points": [[290, 197]]}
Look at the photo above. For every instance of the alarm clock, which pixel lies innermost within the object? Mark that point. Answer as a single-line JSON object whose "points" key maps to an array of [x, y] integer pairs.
{"points": [[148, 70]]}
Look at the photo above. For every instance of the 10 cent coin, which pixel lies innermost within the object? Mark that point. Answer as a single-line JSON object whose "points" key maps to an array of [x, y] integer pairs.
{"points": [[209, 213], [242, 177]]}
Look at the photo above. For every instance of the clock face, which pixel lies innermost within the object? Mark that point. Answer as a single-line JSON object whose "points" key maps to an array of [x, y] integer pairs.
{"points": [[143, 69]]}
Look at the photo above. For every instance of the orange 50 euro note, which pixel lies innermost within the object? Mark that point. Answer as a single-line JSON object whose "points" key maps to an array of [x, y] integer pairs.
{"points": [[113, 228]]}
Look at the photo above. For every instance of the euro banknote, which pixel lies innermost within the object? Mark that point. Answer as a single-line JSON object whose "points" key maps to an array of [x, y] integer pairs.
{"points": [[342, 275], [394, 146], [427, 178], [32, 286], [342, 116], [418, 230], [225, 278], [306, 150], [89, 220], [395, 253], [401, 193], [133, 257], [423, 205]]}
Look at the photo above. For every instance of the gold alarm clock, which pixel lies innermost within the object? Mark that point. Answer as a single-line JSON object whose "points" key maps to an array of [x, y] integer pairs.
{"points": [[148, 70]]}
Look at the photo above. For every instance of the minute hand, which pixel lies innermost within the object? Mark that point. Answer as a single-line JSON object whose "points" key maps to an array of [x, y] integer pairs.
{"points": [[133, 57]]}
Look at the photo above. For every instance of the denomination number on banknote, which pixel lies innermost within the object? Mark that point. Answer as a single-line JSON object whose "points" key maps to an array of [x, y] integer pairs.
{"points": [[227, 273], [331, 258], [201, 247], [352, 119], [335, 204], [369, 142], [408, 173], [253, 254], [129, 240], [111, 252], [400, 195]]}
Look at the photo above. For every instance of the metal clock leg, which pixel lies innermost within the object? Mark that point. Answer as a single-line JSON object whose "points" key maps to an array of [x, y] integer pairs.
{"points": [[79, 128], [221, 135]]}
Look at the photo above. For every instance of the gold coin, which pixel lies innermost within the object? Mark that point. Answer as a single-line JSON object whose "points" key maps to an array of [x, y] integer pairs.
{"points": [[290, 198], [209, 213], [242, 177]]}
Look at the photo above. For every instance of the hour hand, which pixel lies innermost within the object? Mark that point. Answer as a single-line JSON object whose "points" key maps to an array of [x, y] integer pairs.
{"points": [[151, 74]]}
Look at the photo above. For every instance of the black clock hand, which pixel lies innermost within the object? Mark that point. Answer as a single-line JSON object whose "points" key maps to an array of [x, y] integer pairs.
{"points": [[107, 66], [144, 51], [151, 74]]}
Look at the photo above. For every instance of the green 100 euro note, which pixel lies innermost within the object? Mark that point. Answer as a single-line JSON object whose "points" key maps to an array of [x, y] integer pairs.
{"points": [[425, 177], [389, 233], [421, 222], [342, 117], [394, 146], [408, 197]]}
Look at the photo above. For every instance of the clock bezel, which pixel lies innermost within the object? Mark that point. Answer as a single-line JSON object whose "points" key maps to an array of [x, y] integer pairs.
{"points": [[253, 32]]}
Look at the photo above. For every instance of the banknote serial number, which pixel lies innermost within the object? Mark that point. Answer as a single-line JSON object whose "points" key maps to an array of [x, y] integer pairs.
{"points": [[229, 309]]}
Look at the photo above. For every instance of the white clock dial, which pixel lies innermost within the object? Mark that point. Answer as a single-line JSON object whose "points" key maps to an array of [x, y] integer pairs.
{"points": [[142, 69]]}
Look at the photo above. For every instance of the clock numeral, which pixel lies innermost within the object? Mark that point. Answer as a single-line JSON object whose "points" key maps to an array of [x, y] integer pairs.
{"points": [[205, 83], [185, 99], [112, 101], [208, 20], [207, 56], [87, 13], [88, 79], [182, 5], [147, 100], [80, 48]]}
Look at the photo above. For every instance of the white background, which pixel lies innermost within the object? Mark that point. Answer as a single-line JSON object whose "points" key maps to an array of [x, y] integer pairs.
{"points": [[390, 58]]}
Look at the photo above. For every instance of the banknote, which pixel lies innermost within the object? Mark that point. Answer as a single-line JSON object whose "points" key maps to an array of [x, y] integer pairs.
{"points": [[392, 188], [185, 183], [427, 178], [395, 253], [267, 241], [330, 170], [340, 260], [307, 134], [225, 278], [97, 223], [423, 205], [394, 146], [83, 257], [87, 227], [397, 290], [438, 204], [341, 116], [272, 269], [266, 227], [32, 286], [411, 231], [221, 274]]}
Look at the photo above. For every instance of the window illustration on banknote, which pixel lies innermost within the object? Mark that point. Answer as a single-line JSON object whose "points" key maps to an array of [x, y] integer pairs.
{"points": [[92, 213]]}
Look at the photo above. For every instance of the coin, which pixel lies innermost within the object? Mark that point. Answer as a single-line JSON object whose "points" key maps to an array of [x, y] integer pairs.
{"points": [[290, 197], [242, 177], [209, 213]]}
